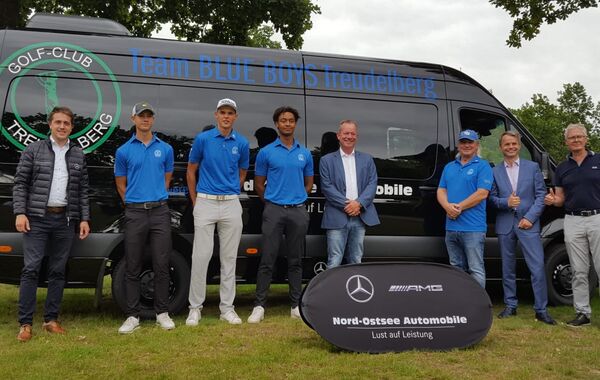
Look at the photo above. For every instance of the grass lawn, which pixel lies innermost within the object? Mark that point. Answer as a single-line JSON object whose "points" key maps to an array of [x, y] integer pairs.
{"points": [[278, 348]]}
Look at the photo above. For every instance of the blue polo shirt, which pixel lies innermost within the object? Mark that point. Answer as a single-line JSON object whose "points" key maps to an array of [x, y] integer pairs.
{"points": [[285, 170], [220, 159], [460, 181], [145, 168], [581, 184]]}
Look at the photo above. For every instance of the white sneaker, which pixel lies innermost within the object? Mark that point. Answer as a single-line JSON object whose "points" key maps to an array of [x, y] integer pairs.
{"points": [[164, 321], [231, 317], [295, 313], [130, 325], [258, 314], [193, 317]]}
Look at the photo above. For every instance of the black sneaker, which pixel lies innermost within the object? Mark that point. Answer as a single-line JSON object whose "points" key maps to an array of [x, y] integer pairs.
{"points": [[508, 312], [580, 320], [545, 317]]}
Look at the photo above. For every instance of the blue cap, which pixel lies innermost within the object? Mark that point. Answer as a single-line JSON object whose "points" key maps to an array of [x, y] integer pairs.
{"points": [[468, 134]]}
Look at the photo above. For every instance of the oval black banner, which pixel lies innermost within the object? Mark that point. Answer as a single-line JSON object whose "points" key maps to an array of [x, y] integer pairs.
{"points": [[387, 307]]}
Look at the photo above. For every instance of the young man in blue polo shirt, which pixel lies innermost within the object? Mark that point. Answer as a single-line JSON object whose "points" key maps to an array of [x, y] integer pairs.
{"points": [[462, 192], [286, 168], [143, 171], [222, 155]]}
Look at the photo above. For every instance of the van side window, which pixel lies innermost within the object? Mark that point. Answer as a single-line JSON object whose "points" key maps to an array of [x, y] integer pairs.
{"points": [[186, 111], [490, 127], [402, 137]]}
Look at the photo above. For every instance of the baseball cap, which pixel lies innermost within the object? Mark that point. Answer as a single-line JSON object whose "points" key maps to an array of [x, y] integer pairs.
{"points": [[227, 102], [141, 107], [468, 134]]}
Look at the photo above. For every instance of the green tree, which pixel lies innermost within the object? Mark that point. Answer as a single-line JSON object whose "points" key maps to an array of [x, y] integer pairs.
{"points": [[233, 22], [547, 120], [530, 15]]}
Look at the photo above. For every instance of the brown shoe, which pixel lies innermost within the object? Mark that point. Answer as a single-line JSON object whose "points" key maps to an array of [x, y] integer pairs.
{"points": [[25, 333], [53, 327]]}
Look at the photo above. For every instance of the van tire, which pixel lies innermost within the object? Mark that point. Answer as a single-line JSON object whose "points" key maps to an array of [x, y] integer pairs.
{"points": [[559, 274], [179, 285]]}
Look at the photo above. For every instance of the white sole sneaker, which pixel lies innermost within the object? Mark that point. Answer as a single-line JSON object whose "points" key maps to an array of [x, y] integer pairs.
{"points": [[258, 314], [295, 313], [130, 325], [193, 317], [231, 317]]}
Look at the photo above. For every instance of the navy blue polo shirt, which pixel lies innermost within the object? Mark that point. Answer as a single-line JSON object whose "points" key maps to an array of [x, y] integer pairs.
{"points": [[285, 170], [145, 168], [460, 181], [220, 159], [580, 183]]}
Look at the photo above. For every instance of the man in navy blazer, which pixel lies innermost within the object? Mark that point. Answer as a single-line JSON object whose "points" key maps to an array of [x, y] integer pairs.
{"points": [[349, 183], [518, 194]]}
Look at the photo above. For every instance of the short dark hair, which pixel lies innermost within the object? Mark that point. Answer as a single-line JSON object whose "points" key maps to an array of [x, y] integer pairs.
{"points": [[66, 110], [283, 109]]}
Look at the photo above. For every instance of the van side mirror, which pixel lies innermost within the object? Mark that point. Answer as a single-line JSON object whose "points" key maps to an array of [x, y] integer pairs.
{"points": [[545, 164]]}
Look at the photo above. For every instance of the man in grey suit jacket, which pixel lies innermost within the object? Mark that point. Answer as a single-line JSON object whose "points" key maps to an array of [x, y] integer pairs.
{"points": [[349, 183], [518, 194]]}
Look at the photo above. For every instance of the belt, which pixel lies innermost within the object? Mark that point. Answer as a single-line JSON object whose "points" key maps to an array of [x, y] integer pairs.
{"points": [[584, 212], [289, 206], [217, 197], [146, 205], [56, 210]]}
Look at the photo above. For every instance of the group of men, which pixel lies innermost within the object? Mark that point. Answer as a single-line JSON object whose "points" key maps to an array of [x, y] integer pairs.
{"points": [[516, 188], [50, 205]]}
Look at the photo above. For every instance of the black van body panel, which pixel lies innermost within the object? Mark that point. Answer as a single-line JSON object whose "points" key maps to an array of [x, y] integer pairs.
{"points": [[408, 114]]}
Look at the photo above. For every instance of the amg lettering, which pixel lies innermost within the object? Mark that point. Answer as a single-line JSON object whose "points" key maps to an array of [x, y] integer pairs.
{"points": [[416, 288]]}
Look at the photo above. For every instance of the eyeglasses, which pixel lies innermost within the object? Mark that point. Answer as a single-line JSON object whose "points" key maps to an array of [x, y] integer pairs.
{"points": [[577, 137]]}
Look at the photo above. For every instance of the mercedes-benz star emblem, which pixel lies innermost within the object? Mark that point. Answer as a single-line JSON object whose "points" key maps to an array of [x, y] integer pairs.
{"points": [[319, 267], [360, 288]]}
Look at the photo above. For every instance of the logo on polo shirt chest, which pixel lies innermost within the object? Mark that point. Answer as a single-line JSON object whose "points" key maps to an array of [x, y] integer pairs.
{"points": [[300, 157], [470, 172], [157, 153], [234, 150]]}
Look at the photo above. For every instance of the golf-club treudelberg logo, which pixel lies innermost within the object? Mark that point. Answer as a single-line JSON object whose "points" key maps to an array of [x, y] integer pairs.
{"points": [[59, 74]]}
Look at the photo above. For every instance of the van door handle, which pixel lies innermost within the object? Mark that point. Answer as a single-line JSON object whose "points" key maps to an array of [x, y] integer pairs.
{"points": [[427, 188]]}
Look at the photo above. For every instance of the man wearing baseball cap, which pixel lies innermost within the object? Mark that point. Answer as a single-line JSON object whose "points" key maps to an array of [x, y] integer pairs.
{"points": [[462, 192], [216, 172], [143, 171]]}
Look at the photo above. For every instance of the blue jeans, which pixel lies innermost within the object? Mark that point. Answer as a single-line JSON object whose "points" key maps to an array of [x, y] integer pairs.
{"points": [[349, 240], [465, 250]]}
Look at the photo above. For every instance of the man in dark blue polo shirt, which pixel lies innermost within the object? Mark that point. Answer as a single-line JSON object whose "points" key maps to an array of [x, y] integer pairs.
{"points": [[286, 168], [143, 171], [577, 187], [462, 192], [222, 155]]}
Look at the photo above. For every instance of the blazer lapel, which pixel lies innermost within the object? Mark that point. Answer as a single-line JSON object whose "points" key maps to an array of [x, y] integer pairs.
{"points": [[504, 175], [340, 169]]}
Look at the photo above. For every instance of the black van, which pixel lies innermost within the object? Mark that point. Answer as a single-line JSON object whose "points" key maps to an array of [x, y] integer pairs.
{"points": [[409, 115]]}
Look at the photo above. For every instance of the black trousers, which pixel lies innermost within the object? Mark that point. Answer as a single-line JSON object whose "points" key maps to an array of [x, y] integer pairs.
{"points": [[277, 221], [147, 229]]}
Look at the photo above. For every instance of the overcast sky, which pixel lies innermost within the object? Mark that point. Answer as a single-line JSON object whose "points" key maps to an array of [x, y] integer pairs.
{"points": [[468, 35]]}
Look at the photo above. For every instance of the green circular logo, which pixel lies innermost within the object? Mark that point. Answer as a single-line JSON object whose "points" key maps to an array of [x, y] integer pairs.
{"points": [[49, 74]]}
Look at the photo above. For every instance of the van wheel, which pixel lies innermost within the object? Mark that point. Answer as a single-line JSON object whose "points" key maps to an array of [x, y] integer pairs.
{"points": [[179, 285], [559, 275]]}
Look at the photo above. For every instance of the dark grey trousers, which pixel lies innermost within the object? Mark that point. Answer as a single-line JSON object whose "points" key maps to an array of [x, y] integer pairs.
{"points": [[277, 221], [147, 229]]}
